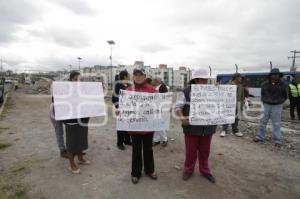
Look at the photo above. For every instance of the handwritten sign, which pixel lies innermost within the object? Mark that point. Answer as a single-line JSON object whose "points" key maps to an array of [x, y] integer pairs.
{"points": [[212, 105], [141, 111], [78, 100]]}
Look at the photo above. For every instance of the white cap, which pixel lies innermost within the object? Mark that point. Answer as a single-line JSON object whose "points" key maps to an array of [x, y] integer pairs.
{"points": [[200, 73]]}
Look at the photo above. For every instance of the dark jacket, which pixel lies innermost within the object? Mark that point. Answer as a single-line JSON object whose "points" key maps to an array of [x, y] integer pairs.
{"points": [[274, 94], [194, 130], [115, 96]]}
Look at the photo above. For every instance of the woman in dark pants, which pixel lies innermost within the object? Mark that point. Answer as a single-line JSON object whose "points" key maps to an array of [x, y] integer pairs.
{"points": [[122, 136], [76, 136], [142, 141]]}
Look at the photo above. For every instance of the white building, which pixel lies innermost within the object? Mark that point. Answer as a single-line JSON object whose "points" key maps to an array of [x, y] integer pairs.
{"points": [[181, 77], [164, 73], [106, 74]]}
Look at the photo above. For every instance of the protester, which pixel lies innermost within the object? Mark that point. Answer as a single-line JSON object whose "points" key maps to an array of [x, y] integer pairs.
{"points": [[141, 141], [59, 131], [160, 136], [122, 136], [294, 96], [240, 101], [197, 138], [273, 95], [76, 136]]}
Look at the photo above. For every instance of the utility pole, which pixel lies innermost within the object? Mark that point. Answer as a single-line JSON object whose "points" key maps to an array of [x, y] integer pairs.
{"points": [[271, 65], [79, 60], [209, 71], [236, 68], [111, 43], [295, 52]]}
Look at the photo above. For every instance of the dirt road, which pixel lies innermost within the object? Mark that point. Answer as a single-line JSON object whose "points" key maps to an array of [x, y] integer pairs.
{"points": [[242, 168]]}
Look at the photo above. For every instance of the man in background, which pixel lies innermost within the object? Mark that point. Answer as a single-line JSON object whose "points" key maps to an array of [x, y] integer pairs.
{"points": [[294, 96]]}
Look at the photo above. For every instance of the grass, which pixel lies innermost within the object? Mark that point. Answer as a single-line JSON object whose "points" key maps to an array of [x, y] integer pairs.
{"points": [[4, 145], [11, 185], [3, 129], [9, 104]]}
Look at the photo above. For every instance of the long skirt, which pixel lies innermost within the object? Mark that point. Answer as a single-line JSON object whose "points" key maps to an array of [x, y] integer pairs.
{"points": [[76, 138]]}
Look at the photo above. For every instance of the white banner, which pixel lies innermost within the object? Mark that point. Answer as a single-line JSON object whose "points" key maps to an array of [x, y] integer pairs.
{"points": [[78, 100], [141, 111], [212, 105]]}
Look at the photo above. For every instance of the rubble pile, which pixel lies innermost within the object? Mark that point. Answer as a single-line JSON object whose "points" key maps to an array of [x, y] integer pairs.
{"points": [[42, 86]]}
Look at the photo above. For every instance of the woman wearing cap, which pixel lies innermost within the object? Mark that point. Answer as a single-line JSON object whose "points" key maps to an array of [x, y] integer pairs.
{"points": [[141, 141], [76, 136], [197, 138]]}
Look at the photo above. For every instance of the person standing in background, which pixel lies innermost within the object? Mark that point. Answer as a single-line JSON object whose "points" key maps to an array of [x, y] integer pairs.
{"points": [[160, 137], [122, 136], [294, 96], [59, 130], [240, 101], [273, 95]]}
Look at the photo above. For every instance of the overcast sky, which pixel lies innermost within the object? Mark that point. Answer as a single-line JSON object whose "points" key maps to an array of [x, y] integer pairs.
{"points": [[51, 34]]}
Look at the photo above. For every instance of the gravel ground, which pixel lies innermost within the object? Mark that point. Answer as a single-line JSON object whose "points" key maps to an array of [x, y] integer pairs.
{"points": [[243, 169]]}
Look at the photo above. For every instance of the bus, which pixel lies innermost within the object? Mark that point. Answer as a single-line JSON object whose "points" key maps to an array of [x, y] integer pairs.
{"points": [[253, 81]]}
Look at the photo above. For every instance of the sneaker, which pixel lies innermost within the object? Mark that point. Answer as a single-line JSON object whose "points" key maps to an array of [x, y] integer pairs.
{"points": [[223, 134], [239, 134], [277, 145], [186, 176], [257, 140]]}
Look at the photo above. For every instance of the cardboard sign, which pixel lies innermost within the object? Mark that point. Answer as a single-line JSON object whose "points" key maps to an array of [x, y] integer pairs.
{"points": [[78, 100], [212, 105], [141, 111]]}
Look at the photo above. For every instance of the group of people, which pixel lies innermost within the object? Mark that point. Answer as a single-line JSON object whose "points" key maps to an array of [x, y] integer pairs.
{"points": [[197, 137]]}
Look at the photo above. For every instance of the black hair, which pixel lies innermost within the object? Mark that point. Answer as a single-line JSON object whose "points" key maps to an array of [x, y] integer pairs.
{"points": [[123, 74], [149, 80], [163, 88], [73, 74]]}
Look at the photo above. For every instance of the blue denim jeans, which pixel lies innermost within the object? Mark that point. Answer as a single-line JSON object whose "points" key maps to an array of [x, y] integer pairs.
{"points": [[272, 112], [59, 131]]}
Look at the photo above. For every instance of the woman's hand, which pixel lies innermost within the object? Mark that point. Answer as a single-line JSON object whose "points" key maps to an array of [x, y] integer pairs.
{"points": [[185, 122]]}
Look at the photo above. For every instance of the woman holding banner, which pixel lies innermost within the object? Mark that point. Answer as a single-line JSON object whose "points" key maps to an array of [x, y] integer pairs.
{"points": [[76, 136], [141, 141], [197, 138]]}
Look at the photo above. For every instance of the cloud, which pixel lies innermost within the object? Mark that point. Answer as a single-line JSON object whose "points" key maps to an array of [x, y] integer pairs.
{"points": [[195, 33], [79, 7], [153, 47], [14, 14]]}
